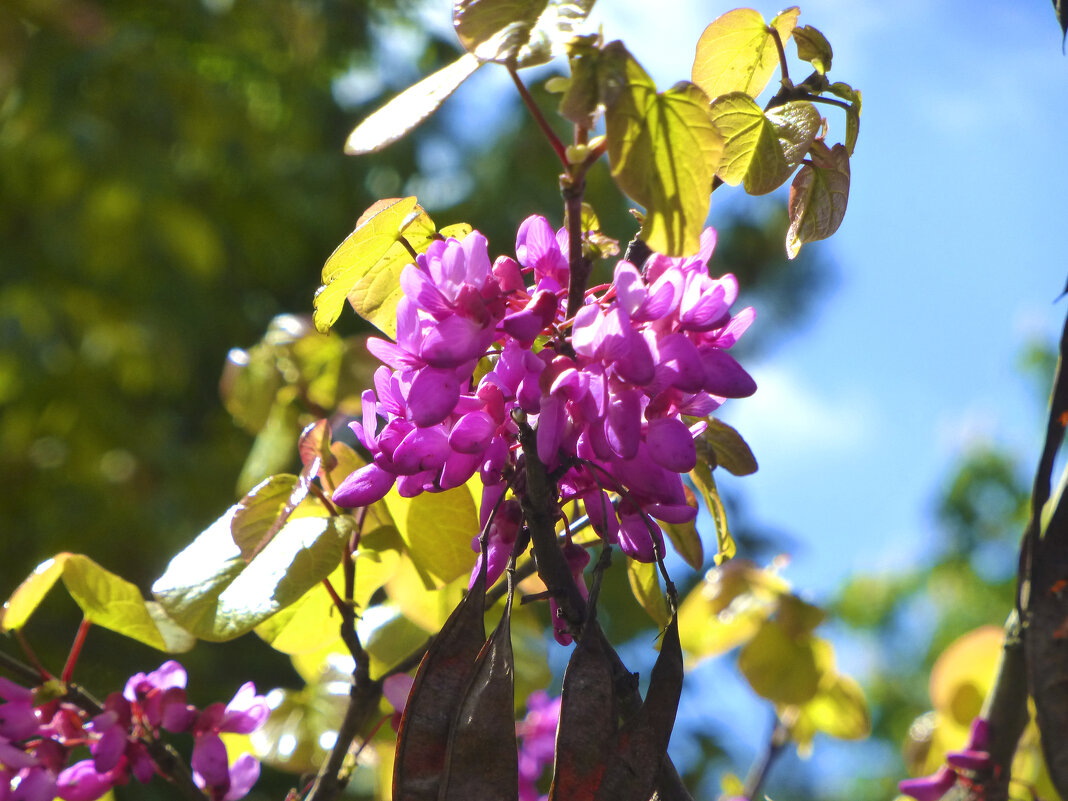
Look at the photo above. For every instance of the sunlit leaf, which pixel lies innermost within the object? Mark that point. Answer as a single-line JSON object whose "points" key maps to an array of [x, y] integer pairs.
{"points": [[779, 667], [437, 527], [211, 591], [818, 197], [366, 267], [684, 537], [702, 479], [737, 53], [482, 760], [519, 33], [264, 510], [663, 149], [964, 671], [408, 109], [426, 606], [314, 449], [435, 698], [838, 709], [813, 47], [587, 728], [106, 600], [645, 584], [722, 446], [761, 150]]}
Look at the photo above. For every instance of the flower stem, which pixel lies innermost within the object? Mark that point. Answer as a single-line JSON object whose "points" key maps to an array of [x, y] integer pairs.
{"points": [[539, 118], [75, 650]]}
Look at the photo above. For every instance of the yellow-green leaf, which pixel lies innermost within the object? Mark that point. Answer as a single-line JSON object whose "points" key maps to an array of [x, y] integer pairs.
{"points": [[366, 267], [778, 667], [838, 709], [519, 33], [437, 528], [813, 47], [210, 590], [818, 197], [663, 149], [853, 97], [737, 53], [761, 150], [645, 584], [702, 479], [405, 111], [105, 599]]}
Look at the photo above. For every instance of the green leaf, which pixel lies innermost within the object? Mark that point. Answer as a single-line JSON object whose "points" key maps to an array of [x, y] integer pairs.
{"points": [[761, 150], [722, 446], [737, 53], [366, 267], [105, 599], [645, 584], [437, 527], [813, 47], [818, 197], [272, 450], [582, 98], [684, 537], [851, 96], [211, 591], [838, 709], [702, 479], [663, 149], [259, 511], [779, 667], [518, 33], [408, 109]]}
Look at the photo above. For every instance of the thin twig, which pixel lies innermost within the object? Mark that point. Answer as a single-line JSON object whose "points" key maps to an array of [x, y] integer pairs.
{"points": [[539, 118], [758, 774]]}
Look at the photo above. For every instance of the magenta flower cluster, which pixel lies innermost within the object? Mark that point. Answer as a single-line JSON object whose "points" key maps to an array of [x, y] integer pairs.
{"points": [[970, 762], [38, 739], [606, 391]]}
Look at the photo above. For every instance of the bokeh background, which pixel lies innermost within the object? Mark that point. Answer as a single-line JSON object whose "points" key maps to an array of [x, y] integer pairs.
{"points": [[171, 179]]}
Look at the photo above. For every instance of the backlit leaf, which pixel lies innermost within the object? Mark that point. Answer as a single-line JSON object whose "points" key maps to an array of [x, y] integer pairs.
{"points": [[105, 599], [435, 698], [408, 109], [210, 590], [737, 53], [314, 449], [663, 149], [437, 527], [722, 446], [818, 197], [587, 728], [366, 267], [519, 33], [684, 537], [813, 47], [838, 709], [645, 584], [263, 511], [482, 760], [583, 96]]}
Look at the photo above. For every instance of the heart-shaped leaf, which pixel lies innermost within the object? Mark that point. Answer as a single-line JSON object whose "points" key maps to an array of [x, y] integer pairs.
{"points": [[813, 47], [737, 53], [663, 149]]}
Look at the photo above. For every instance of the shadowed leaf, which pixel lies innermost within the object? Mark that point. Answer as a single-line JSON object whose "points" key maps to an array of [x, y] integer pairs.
{"points": [[642, 743], [663, 149], [722, 446], [588, 717], [645, 584], [737, 53], [482, 759], [818, 197], [435, 699], [684, 537], [519, 33], [408, 109]]}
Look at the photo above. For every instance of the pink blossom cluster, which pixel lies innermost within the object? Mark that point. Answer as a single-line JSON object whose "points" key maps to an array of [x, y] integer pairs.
{"points": [[37, 739], [608, 392], [537, 742]]}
